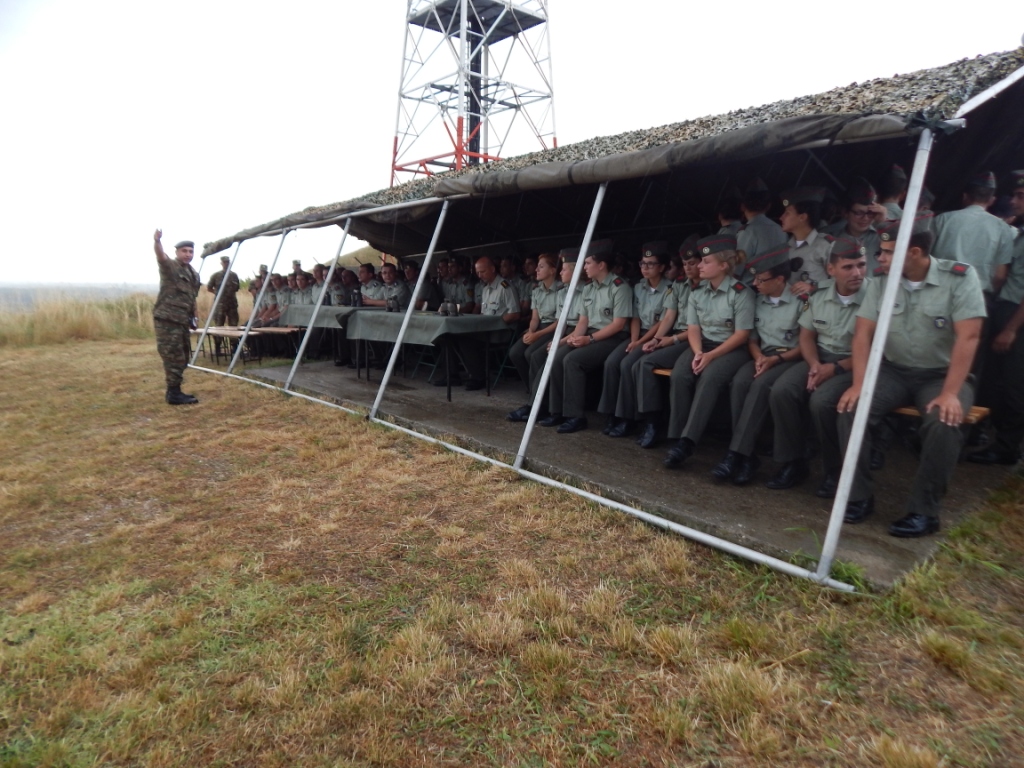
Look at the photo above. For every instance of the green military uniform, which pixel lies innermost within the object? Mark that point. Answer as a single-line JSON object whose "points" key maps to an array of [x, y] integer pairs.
{"points": [[618, 393], [893, 211], [460, 290], [870, 241], [832, 317], [374, 289], [648, 388], [284, 297], [398, 290], [172, 317], [917, 357], [539, 358], [543, 301], [976, 237], [226, 312], [718, 312], [602, 302], [496, 298], [756, 238], [815, 251], [302, 296], [776, 330]]}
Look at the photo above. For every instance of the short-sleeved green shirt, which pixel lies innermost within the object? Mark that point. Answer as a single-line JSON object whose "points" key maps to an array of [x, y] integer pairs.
{"points": [[574, 305], [649, 302], [373, 290], [682, 289], [1013, 290], [777, 325], [831, 319], [606, 300], [498, 297], [545, 301], [976, 237], [721, 311], [921, 331]]}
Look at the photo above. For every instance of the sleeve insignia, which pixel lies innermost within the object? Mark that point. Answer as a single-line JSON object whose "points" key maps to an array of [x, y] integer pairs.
{"points": [[617, 281], [739, 287], [960, 269], [504, 283]]}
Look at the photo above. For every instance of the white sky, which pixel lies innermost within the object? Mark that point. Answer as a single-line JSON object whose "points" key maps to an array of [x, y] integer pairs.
{"points": [[206, 117]]}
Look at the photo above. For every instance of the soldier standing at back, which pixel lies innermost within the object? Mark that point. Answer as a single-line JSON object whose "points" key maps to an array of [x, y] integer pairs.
{"points": [[226, 312], [760, 234], [173, 313]]}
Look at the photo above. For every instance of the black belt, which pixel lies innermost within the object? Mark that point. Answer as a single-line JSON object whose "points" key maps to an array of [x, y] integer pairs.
{"points": [[707, 344]]}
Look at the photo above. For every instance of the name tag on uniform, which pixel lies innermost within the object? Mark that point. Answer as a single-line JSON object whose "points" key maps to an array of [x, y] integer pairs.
{"points": [[728, 323], [940, 322], [607, 311], [820, 322]]}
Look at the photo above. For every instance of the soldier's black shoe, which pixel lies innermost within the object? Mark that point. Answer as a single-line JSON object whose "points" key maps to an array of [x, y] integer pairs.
{"points": [[877, 458], [623, 428], [828, 487], [611, 424], [994, 456], [791, 474], [745, 470], [726, 468], [913, 525], [175, 396], [649, 437], [522, 413], [680, 452], [551, 421], [575, 424], [859, 511]]}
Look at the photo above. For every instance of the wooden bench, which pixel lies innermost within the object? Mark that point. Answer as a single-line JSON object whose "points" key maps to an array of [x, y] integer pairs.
{"points": [[976, 414]]}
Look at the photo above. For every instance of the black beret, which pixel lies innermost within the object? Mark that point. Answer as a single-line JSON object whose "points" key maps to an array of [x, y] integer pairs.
{"points": [[804, 195], [569, 255], [983, 180], [716, 244], [769, 260], [889, 230], [688, 248], [845, 247], [654, 248], [861, 192], [185, 244], [600, 248]]}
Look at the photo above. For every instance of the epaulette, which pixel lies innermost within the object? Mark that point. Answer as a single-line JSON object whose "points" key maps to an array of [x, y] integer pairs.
{"points": [[682, 279], [504, 283], [738, 286], [828, 238], [617, 281], [879, 272], [959, 268]]}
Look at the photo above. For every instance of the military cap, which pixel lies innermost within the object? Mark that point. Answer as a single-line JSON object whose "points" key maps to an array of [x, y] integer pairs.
{"points": [[845, 247], [983, 180], [263, 267], [600, 248], [803, 195], [225, 258], [716, 244], [569, 255], [757, 185], [1001, 208], [1017, 178], [688, 248], [654, 248], [296, 262], [774, 258], [927, 198], [889, 230], [861, 192], [896, 173], [185, 244]]}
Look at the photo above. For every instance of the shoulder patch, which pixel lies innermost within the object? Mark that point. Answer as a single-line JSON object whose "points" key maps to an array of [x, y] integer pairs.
{"points": [[682, 279], [617, 281], [738, 286], [879, 272], [828, 238], [504, 283], [960, 269]]}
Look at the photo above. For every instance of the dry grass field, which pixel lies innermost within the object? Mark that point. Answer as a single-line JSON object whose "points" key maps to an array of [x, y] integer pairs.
{"points": [[258, 581]]}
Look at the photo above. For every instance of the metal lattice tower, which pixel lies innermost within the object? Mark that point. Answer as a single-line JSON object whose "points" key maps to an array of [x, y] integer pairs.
{"points": [[476, 85]]}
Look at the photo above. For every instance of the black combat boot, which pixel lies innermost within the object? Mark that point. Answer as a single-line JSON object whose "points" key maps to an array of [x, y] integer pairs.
{"points": [[175, 396]]}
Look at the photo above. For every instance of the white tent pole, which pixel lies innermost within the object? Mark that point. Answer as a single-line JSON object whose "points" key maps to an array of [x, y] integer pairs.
{"points": [[213, 309], [256, 303], [424, 268], [860, 419], [538, 397], [316, 308]]}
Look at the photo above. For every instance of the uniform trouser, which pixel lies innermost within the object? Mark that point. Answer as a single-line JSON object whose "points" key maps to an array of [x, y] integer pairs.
{"points": [[226, 314], [940, 443], [648, 388], [1005, 373], [794, 409], [172, 343], [693, 397], [567, 389], [748, 399], [521, 354], [618, 393]]}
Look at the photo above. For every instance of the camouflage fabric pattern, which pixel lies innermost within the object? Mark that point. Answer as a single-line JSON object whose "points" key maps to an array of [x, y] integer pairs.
{"points": [[172, 343], [226, 312], [179, 284]]}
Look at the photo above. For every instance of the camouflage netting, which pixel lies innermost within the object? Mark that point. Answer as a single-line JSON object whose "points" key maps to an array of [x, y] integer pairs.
{"points": [[935, 93]]}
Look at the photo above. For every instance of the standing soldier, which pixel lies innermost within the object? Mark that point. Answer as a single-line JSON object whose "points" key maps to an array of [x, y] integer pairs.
{"points": [[226, 312], [173, 314], [759, 234], [933, 335]]}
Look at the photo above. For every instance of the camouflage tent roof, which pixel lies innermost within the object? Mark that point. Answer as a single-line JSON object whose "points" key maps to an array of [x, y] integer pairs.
{"points": [[933, 93]]}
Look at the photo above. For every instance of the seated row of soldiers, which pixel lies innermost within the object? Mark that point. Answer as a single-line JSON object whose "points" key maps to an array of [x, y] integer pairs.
{"points": [[798, 349]]}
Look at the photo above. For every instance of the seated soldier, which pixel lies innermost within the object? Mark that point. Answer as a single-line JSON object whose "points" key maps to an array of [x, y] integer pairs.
{"points": [[933, 335], [799, 219], [860, 213], [393, 289], [774, 347], [370, 288], [543, 318], [509, 271], [303, 294], [460, 289], [607, 307], [541, 349], [669, 342], [820, 378], [429, 296], [497, 297], [650, 295], [719, 319]]}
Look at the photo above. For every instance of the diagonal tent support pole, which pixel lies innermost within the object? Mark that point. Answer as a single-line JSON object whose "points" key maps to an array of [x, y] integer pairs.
{"points": [[256, 303], [424, 269], [538, 397], [216, 302], [316, 309], [860, 420]]}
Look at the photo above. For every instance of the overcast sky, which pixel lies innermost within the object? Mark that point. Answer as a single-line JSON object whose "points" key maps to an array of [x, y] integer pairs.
{"points": [[207, 117]]}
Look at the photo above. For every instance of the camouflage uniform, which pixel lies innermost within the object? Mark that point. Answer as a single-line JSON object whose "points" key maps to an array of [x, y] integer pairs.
{"points": [[226, 312], [172, 317]]}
